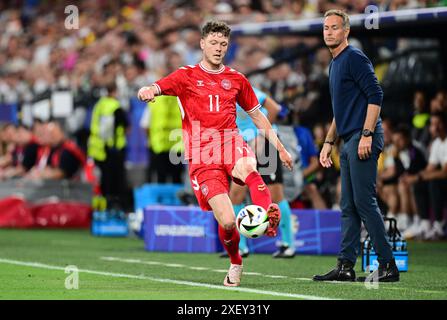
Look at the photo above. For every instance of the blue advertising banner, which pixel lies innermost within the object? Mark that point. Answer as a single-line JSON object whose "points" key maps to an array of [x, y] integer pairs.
{"points": [[180, 229], [189, 229], [316, 232]]}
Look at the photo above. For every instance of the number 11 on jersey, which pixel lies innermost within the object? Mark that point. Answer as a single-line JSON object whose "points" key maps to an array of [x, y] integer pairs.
{"points": [[211, 102]]}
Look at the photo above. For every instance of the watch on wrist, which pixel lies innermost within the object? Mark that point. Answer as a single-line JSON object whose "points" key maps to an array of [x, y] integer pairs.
{"points": [[367, 133]]}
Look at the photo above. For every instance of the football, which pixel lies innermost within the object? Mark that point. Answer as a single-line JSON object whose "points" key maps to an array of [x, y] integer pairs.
{"points": [[252, 221]]}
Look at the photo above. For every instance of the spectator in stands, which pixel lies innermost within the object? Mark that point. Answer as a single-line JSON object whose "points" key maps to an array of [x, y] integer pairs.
{"points": [[310, 166], [3, 143], [420, 129], [441, 99], [59, 158], [107, 145], [24, 156], [439, 102], [435, 176], [328, 180], [409, 160], [314, 105], [8, 133], [37, 57], [283, 83], [387, 177], [192, 40]]}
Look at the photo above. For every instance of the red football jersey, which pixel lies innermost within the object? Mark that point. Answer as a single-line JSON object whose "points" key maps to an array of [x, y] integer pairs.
{"points": [[207, 101]]}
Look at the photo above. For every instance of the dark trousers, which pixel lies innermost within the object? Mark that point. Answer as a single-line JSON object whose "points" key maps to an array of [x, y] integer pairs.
{"points": [[359, 201], [431, 194], [113, 176], [163, 169]]}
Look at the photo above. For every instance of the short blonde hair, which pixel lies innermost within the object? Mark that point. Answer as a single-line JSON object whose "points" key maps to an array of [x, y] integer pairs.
{"points": [[341, 14]]}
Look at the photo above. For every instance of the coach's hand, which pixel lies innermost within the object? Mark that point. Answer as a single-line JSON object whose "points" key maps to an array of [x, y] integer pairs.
{"points": [[286, 158], [325, 155], [146, 94], [364, 149]]}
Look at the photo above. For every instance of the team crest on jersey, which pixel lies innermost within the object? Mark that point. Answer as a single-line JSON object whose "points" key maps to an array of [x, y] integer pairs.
{"points": [[200, 83], [204, 188], [226, 84]]}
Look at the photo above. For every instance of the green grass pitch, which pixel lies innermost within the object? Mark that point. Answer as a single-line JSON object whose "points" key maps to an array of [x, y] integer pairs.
{"points": [[32, 266]]}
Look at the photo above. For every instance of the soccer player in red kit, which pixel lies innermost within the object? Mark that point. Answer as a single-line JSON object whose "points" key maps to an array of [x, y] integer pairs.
{"points": [[207, 95]]}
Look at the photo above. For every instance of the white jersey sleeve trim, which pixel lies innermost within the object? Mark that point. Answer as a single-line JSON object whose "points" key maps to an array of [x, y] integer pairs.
{"points": [[254, 109], [182, 111], [158, 88]]}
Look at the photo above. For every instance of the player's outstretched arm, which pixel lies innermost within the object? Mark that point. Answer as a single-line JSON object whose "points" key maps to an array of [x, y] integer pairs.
{"points": [[265, 127]]}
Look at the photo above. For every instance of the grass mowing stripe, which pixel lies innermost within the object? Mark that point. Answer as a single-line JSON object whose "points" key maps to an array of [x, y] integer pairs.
{"points": [[187, 283]]}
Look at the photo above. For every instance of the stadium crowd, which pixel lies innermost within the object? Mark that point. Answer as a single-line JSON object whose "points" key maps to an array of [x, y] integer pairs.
{"points": [[134, 43]]}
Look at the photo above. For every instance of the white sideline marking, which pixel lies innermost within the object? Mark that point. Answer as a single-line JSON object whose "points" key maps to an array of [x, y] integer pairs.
{"points": [[179, 282], [198, 268], [137, 261], [303, 279], [175, 265], [220, 270]]}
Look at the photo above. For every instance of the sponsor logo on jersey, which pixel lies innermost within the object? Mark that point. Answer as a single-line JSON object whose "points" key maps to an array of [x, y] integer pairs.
{"points": [[226, 84], [200, 83]]}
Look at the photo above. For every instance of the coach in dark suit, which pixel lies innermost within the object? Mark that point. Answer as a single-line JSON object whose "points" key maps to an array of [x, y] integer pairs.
{"points": [[356, 102]]}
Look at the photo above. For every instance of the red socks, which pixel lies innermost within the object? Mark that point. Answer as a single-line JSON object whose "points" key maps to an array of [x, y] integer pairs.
{"points": [[260, 194], [230, 241]]}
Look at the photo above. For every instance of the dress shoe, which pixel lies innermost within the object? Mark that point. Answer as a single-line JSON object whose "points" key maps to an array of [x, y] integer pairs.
{"points": [[387, 272], [344, 271]]}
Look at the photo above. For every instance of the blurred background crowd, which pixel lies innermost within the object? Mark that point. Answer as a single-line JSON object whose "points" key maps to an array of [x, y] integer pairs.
{"points": [[123, 45]]}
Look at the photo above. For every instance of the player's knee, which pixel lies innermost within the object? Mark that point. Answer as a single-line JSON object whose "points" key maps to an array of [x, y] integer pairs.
{"points": [[229, 225], [250, 166], [225, 216], [244, 167]]}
